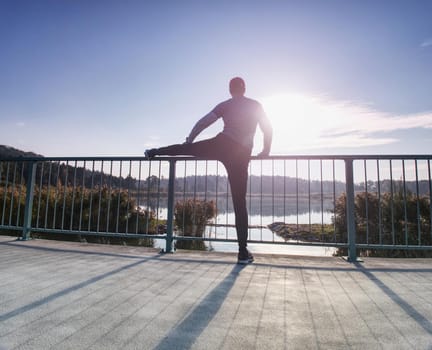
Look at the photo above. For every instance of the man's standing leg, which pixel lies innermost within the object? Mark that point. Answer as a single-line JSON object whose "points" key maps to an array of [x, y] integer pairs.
{"points": [[237, 170]]}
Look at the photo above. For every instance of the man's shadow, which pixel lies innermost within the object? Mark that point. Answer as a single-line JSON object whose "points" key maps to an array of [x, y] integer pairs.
{"points": [[187, 332]]}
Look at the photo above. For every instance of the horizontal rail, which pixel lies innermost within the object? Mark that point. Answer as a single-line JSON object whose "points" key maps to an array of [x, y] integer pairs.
{"points": [[183, 158]]}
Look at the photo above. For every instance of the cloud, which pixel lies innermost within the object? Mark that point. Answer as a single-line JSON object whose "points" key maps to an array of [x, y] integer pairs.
{"points": [[20, 124], [426, 43], [308, 122]]}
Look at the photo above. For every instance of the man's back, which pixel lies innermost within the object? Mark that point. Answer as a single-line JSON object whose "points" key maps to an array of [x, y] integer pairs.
{"points": [[241, 116]]}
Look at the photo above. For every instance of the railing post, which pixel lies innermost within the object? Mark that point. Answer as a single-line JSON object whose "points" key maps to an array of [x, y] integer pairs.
{"points": [[350, 206], [30, 181], [170, 215]]}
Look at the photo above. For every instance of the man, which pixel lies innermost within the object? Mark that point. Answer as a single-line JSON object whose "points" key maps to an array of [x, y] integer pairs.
{"points": [[233, 147]]}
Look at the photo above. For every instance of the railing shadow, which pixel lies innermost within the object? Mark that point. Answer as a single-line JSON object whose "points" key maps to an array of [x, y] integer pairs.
{"points": [[66, 291], [187, 332], [17, 244], [421, 320]]}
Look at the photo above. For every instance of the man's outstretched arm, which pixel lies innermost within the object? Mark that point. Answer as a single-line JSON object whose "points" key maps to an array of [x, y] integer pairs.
{"points": [[202, 124], [267, 130]]}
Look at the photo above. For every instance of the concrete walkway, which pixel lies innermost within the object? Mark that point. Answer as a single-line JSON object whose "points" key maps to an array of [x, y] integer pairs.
{"points": [[59, 295]]}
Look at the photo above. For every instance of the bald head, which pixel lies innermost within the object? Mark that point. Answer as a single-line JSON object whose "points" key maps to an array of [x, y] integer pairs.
{"points": [[237, 86]]}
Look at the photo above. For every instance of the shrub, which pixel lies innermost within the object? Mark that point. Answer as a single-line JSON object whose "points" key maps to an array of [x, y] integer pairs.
{"points": [[100, 210], [191, 217], [390, 220]]}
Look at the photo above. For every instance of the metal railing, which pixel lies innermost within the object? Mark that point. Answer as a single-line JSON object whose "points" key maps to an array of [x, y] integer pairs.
{"points": [[345, 202]]}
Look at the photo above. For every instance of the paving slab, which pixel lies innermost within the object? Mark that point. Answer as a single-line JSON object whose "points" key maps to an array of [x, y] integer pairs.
{"points": [[67, 295]]}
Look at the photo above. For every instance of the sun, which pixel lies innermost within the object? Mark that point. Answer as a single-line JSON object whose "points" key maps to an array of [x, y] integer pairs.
{"points": [[298, 121]]}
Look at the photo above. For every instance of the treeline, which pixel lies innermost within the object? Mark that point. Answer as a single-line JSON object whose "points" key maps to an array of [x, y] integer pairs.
{"points": [[52, 174], [61, 174]]}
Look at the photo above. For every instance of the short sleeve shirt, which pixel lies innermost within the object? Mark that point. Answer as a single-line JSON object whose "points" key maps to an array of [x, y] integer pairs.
{"points": [[241, 116]]}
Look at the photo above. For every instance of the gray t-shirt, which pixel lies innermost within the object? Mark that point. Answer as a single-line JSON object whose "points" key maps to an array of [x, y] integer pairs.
{"points": [[240, 114]]}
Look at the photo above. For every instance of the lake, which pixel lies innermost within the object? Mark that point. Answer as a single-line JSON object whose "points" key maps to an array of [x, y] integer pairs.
{"points": [[262, 212]]}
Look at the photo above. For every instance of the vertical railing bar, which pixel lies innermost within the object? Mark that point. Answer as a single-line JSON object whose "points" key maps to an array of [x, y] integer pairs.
{"points": [[322, 200], [206, 181], [118, 197], [392, 202], [334, 198], [309, 196], [56, 194], [109, 197], [148, 197], [1, 170], [158, 193], [73, 196], [91, 196], [350, 207], [83, 189], [217, 197], [28, 211], [380, 233], [12, 193], [64, 194], [284, 197], [250, 203], [366, 201], [194, 193], [128, 195], [430, 198], [273, 195], [6, 192], [138, 209], [20, 194], [205, 198], [40, 194], [297, 196], [48, 195], [184, 197], [405, 204], [228, 188], [100, 196], [170, 205], [261, 198], [418, 204]]}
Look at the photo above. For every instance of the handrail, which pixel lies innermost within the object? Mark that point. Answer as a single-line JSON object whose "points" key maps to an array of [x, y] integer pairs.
{"points": [[412, 233]]}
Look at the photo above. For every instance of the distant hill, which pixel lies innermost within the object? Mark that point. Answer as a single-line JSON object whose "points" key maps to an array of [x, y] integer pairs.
{"points": [[10, 152]]}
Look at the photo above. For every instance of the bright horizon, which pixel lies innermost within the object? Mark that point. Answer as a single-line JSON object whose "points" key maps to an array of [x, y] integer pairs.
{"points": [[107, 78]]}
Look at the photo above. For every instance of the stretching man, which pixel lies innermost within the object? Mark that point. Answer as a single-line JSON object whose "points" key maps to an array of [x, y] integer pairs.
{"points": [[232, 147]]}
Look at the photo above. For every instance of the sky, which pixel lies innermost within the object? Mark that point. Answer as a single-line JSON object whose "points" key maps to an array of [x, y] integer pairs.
{"points": [[110, 78]]}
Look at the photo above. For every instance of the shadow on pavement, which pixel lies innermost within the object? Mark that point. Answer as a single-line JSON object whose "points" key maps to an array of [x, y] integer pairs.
{"points": [[186, 333]]}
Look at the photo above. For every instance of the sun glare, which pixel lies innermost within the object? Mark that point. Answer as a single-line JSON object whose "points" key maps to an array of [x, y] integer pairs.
{"points": [[304, 123], [298, 121]]}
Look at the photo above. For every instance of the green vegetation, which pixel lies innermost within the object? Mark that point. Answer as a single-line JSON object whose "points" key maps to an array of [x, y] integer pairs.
{"points": [[191, 217], [390, 219], [59, 208], [305, 232], [395, 216]]}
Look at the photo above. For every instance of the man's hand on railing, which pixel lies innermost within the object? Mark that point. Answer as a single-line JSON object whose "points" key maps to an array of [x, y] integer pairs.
{"points": [[263, 154]]}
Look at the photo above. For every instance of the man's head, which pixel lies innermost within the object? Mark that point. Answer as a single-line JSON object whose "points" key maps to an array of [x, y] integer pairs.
{"points": [[237, 86]]}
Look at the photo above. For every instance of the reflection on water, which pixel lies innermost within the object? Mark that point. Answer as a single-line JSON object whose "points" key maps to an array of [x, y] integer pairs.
{"points": [[262, 206], [262, 212]]}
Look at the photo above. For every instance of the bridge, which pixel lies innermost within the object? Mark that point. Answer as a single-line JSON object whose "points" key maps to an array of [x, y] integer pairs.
{"points": [[68, 295]]}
